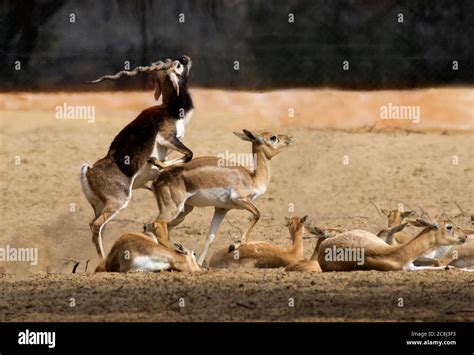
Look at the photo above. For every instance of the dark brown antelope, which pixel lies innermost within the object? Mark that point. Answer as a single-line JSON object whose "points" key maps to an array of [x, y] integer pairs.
{"points": [[140, 149]]}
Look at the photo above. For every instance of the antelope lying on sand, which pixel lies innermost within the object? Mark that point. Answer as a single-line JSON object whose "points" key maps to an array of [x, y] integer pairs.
{"points": [[140, 148], [378, 255], [312, 264], [264, 255], [211, 181], [141, 252], [396, 218], [459, 256], [322, 234]]}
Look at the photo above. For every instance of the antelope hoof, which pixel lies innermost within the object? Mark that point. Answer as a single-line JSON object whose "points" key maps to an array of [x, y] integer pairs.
{"points": [[156, 163], [233, 247]]}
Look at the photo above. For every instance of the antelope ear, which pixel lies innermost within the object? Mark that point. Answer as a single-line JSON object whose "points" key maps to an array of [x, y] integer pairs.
{"points": [[174, 80], [418, 222], [180, 249], [242, 136], [157, 87], [318, 232], [385, 212], [304, 219], [287, 221], [407, 214], [249, 134], [148, 228]]}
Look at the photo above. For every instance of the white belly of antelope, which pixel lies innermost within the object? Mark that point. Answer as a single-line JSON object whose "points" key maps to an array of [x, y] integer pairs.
{"points": [[219, 197], [147, 263]]}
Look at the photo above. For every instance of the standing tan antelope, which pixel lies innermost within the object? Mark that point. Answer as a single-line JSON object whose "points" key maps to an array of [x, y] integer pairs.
{"points": [[212, 181], [140, 148], [262, 254], [141, 252], [378, 255]]}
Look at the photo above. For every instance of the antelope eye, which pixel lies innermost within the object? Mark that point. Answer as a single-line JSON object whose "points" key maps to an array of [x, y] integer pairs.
{"points": [[449, 227], [273, 139]]}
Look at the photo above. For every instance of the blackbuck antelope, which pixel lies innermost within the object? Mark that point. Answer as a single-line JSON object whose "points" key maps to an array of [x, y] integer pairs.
{"points": [[212, 181], [141, 252], [140, 148], [343, 252], [262, 254]]}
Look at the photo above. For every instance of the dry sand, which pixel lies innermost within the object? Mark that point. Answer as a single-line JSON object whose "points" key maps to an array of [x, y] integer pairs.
{"points": [[43, 206]]}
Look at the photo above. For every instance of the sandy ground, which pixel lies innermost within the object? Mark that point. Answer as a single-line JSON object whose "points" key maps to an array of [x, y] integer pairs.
{"points": [[257, 295], [43, 206]]}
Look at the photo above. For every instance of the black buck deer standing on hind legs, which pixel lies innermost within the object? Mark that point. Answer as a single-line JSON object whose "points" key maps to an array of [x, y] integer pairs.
{"points": [[140, 149]]}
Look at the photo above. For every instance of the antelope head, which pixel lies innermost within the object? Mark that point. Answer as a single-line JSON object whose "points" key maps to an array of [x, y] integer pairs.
{"points": [[270, 143], [396, 217], [169, 82], [442, 230]]}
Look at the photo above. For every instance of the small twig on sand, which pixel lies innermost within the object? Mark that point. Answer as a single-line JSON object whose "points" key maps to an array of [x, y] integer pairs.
{"points": [[117, 289], [423, 212], [376, 207], [231, 237], [75, 262], [235, 227], [87, 264], [460, 209], [244, 305], [74, 269], [448, 307], [372, 127]]}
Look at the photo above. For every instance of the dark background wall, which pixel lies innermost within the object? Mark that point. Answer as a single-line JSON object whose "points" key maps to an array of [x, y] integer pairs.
{"points": [[382, 53]]}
